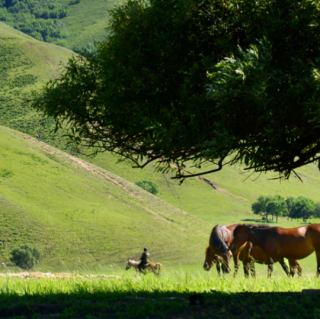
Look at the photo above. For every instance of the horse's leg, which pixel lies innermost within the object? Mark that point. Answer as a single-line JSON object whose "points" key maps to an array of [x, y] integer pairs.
{"points": [[318, 262], [284, 267], [244, 256], [270, 267], [252, 268], [236, 265], [246, 268], [294, 265], [236, 268], [236, 258], [218, 267]]}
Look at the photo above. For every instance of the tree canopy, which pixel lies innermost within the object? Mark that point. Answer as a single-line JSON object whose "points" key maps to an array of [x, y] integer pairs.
{"points": [[212, 81], [294, 208]]}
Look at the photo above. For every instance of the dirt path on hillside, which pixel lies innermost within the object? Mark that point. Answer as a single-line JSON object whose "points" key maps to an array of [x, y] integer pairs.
{"points": [[95, 170]]}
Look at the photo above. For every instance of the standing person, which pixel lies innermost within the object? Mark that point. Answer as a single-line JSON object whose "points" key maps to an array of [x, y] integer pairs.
{"points": [[144, 260]]}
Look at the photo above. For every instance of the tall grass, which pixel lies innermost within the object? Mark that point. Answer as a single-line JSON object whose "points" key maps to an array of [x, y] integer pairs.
{"points": [[173, 284]]}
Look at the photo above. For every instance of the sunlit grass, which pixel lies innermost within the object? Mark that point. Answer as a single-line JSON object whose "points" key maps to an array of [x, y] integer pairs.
{"points": [[172, 284]]}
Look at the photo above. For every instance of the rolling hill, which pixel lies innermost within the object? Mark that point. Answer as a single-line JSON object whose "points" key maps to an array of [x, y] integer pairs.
{"points": [[223, 197], [80, 214], [72, 24], [25, 65]]}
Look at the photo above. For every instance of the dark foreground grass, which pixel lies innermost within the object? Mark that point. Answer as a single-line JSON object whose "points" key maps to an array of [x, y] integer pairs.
{"points": [[173, 296], [162, 305]]}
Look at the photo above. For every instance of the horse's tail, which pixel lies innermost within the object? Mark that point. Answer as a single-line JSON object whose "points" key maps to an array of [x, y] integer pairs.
{"points": [[218, 237]]}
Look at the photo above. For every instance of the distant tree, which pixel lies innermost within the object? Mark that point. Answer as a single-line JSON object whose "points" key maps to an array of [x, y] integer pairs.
{"points": [[26, 256], [290, 206], [260, 206], [149, 186], [277, 206], [316, 212], [303, 208]]}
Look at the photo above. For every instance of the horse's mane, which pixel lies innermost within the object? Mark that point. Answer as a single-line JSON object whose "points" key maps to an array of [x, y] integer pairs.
{"points": [[217, 238]]}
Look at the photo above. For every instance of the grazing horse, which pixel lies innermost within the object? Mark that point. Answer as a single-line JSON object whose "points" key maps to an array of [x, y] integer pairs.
{"points": [[220, 240], [132, 263], [279, 243], [154, 267]]}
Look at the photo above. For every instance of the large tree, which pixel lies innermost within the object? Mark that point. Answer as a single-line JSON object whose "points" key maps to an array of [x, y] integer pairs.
{"points": [[212, 81]]}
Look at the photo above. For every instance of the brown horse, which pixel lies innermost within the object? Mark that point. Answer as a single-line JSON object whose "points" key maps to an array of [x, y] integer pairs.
{"points": [[279, 243], [154, 267], [220, 240]]}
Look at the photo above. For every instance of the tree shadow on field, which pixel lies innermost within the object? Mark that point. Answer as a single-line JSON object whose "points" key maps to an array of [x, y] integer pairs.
{"points": [[264, 221], [255, 221], [156, 305]]}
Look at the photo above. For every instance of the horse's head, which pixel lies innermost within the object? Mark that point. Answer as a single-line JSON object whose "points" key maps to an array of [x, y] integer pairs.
{"points": [[226, 256], [240, 236], [209, 260], [128, 264]]}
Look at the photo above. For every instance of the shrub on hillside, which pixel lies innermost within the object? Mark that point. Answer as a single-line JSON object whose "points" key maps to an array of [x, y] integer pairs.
{"points": [[26, 256], [149, 187]]}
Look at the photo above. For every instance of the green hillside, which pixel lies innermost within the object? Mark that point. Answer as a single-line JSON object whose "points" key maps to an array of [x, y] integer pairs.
{"points": [[230, 199], [25, 65], [69, 23], [83, 216]]}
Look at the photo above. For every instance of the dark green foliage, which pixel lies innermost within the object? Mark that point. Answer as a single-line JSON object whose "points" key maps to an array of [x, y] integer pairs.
{"points": [[201, 81], [302, 208], [149, 186], [22, 80], [39, 19], [294, 208], [26, 256], [73, 2], [316, 212], [5, 173], [87, 50], [277, 207], [260, 206]]}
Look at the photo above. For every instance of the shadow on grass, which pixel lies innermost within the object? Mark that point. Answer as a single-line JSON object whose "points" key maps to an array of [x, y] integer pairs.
{"points": [[255, 220], [263, 221], [155, 305]]}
